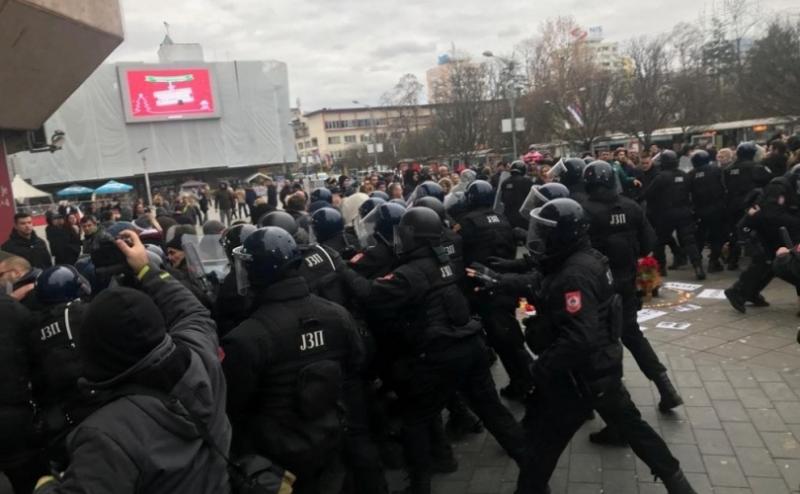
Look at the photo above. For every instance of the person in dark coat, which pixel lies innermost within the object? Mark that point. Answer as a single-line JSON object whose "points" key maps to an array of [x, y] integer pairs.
{"points": [[151, 358], [24, 242]]}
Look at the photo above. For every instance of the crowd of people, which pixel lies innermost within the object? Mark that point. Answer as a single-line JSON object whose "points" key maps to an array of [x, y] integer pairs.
{"points": [[347, 319]]}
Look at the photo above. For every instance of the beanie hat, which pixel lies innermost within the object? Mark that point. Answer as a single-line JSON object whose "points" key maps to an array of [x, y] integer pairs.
{"points": [[175, 236], [213, 227], [121, 327]]}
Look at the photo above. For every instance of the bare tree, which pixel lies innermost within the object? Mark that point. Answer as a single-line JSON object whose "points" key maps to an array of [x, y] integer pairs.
{"points": [[405, 96], [462, 119], [643, 102]]}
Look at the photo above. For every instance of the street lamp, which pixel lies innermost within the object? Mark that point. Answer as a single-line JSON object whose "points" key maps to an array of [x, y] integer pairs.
{"points": [[374, 135], [146, 175], [511, 94], [56, 142]]}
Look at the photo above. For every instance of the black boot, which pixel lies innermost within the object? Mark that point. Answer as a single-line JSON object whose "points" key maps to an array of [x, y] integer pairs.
{"points": [[461, 423], [678, 484], [759, 301], [669, 395], [418, 483], [736, 300], [678, 261], [698, 271], [608, 437], [714, 266]]}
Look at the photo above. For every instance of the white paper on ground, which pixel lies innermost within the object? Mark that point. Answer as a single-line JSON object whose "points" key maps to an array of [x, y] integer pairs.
{"points": [[687, 308], [712, 293], [647, 314], [689, 287], [679, 326]]}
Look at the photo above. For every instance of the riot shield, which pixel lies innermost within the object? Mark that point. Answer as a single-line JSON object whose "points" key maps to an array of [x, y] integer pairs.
{"points": [[205, 256], [499, 207]]}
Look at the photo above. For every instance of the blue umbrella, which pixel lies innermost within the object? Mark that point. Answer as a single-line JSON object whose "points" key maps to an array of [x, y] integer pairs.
{"points": [[74, 190], [113, 187]]}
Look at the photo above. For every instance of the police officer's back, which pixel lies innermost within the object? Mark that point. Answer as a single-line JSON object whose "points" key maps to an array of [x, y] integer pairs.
{"points": [[327, 227], [742, 177], [287, 362], [708, 198], [618, 227], [570, 173], [54, 345], [376, 237], [485, 232], [513, 191]]}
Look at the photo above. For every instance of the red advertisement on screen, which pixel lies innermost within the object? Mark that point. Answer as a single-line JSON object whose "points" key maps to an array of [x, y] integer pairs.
{"points": [[155, 94]]}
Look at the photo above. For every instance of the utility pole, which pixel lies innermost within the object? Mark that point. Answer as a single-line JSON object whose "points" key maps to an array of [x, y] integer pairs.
{"points": [[146, 175]]}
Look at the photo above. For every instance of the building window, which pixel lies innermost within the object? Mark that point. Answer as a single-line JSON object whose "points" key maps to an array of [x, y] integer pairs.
{"points": [[299, 145], [365, 138], [350, 139], [313, 142], [334, 140]]}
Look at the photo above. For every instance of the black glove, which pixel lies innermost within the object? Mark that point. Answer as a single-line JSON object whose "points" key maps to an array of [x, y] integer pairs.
{"points": [[486, 277]]}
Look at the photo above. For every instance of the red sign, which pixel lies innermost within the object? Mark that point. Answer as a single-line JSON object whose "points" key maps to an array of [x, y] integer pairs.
{"points": [[7, 209], [165, 94]]}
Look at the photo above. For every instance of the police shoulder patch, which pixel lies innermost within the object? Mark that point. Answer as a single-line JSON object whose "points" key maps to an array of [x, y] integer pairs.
{"points": [[572, 300]]}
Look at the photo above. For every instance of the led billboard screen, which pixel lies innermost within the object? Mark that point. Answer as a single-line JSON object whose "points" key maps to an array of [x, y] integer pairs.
{"points": [[162, 92]]}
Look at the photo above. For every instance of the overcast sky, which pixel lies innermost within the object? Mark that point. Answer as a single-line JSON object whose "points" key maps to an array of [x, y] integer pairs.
{"points": [[338, 51]]}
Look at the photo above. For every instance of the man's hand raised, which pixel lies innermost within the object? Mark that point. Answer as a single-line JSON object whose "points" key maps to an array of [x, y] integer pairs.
{"points": [[133, 248]]}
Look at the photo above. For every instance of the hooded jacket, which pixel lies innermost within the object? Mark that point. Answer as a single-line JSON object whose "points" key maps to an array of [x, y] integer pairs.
{"points": [[140, 444], [33, 249]]}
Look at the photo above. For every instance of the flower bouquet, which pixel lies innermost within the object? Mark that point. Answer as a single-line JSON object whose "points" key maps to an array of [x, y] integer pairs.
{"points": [[648, 278]]}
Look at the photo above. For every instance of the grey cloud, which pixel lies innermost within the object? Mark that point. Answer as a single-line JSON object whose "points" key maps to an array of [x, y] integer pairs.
{"points": [[402, 48]]}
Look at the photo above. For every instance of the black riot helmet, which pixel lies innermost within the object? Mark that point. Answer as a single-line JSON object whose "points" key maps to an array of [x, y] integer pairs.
{"points": [[556, 229], [265, 257], [518, 168], [568, 171], [234, 237], [369, 205], [281, 219], [480, 194], [379, 194], [379, 223], [746, 151], [599, 174], [667, 160], [700, 158], [326, 223], [425, 189], [61, 284], [321, 194], [540, 194], [419, 227], [431, 203]]}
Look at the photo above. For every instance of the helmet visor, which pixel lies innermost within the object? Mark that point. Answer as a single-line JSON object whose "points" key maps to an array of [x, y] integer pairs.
{"points": [[557, 171], [365, 228], [403, 239], [539, 230], [241, 259], [535, 199]]}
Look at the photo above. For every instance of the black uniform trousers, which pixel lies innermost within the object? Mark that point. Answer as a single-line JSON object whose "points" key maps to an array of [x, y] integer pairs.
{"points": [[425, 388], [711, 229], [756, 277], [632, 336], [505, 336], [555, 413], [683, 225], [734, 216]]}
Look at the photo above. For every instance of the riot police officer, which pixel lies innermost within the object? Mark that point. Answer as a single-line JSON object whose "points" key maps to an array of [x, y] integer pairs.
{"points": [[55, 359], [425, 189], [513, 192], [570, 173], [287, 364], [376, 235], [708, 197], [327, 228], [668, 195], [762, 223], [231, 307], [440, 345], [486, 234], [580, 356], [619, 230], [740, 179]]}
